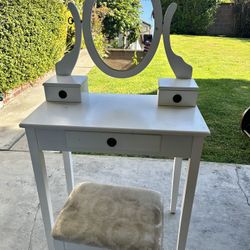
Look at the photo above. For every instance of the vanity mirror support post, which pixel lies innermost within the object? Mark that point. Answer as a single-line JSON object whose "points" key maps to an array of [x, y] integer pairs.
{"points": [[182, 91], [64, 87], [181, 69], [68, 62]]}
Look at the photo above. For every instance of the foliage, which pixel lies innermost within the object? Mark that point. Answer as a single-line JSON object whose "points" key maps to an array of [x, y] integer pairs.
{"points": [[98, 14], [123, 18], [221, 69], [135, 59], [192, 16], [32, 39]]}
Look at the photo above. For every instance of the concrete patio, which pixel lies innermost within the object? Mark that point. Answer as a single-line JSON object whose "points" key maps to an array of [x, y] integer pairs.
{"points": [[221, 212]]}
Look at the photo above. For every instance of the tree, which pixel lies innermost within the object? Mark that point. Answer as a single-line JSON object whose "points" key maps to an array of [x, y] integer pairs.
{"points": [[123, 18], [98, 14], [192, 16]]}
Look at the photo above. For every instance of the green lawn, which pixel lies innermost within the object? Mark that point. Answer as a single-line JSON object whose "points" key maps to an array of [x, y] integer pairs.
{"points": [[222, 71]]}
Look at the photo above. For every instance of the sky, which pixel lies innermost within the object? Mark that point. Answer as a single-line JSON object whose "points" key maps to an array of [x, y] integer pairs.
{"points": [[147, 11]]}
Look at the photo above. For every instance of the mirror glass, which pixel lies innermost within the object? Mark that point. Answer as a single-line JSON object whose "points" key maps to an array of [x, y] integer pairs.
{"points": [[122, 31]]}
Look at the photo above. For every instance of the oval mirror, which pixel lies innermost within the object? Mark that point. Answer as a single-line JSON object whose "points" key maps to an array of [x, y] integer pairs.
{"points": [[122, 36]]}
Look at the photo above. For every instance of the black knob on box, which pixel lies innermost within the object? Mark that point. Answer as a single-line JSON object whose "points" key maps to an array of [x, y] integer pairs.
{"points": [[177, 98], [111, 142], [62, 94]]}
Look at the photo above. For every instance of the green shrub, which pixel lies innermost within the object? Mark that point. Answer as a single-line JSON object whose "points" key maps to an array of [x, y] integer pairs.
{"points": [[192, 16], [32, 39]]}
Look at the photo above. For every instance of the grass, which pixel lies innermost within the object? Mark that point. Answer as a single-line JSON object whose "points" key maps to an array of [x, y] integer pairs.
{"points": [[222, 71]]}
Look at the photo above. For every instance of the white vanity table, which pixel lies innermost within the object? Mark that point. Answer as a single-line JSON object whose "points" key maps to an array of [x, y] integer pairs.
{"points": [[143, 125], [131, 124]]}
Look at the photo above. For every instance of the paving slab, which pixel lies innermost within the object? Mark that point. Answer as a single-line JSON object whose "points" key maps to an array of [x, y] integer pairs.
{"points": [[13, 113], [84, 64], [21, 145], [22, 105], [220, 219]]}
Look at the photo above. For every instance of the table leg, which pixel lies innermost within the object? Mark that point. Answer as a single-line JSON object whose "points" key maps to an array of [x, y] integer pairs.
{"points": [[38, 163], [175, 184], [68, 167], [189, 192]]}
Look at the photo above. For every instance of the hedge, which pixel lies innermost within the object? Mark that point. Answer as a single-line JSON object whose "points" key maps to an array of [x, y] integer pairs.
{"points": [[32, 39], [192, 16]]}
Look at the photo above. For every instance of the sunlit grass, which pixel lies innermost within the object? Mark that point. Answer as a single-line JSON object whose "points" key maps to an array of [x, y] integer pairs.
{"points": [[222, 70]]}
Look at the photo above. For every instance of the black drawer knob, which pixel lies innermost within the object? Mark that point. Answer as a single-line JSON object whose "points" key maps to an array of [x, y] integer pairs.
{"points": [[62, 94], [111, 142], [177, 98]]}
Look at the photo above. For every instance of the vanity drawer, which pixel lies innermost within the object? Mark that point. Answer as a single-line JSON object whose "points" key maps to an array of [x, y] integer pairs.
{"points": [[113, 142]]}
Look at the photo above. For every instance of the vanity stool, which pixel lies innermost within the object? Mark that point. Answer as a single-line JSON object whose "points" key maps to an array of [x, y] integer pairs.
{"points": [[98, 216]]}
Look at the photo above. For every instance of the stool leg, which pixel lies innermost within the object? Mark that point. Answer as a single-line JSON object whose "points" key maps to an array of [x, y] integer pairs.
{"points": [[68, 167], [175, 184]]}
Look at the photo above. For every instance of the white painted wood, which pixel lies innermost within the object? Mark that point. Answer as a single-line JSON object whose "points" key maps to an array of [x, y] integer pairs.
{"points": [[73, 88], [41, 178], [189, 192], [51, 139], [177, 84], [119, 113], [67, 64], [134, 144], [68, 167], [138, 119], [74, 81], [52, 94], [176, 146], [125, 143], [169, 88], [175, 184], [188, 98], [180, 68]]}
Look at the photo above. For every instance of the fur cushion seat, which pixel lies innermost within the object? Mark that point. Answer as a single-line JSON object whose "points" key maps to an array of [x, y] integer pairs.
{"points": [[112, 217]]}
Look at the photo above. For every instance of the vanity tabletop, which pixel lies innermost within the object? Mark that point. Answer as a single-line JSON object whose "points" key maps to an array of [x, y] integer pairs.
{"points": [[118, 113]]}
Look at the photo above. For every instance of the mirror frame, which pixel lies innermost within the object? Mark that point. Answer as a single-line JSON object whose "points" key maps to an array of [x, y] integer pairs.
{"points": [[88, 38]]}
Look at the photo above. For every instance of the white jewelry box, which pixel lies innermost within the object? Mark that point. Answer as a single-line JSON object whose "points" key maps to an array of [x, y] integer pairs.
{"points": [[65, 88], [177, 92]]}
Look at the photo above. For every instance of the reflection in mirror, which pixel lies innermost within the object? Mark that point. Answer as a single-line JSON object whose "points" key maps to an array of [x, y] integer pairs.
{"points": [[122, 31]]}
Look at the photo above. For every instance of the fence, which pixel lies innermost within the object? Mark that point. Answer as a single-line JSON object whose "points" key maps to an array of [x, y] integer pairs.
{"points": [[225, 21]]}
